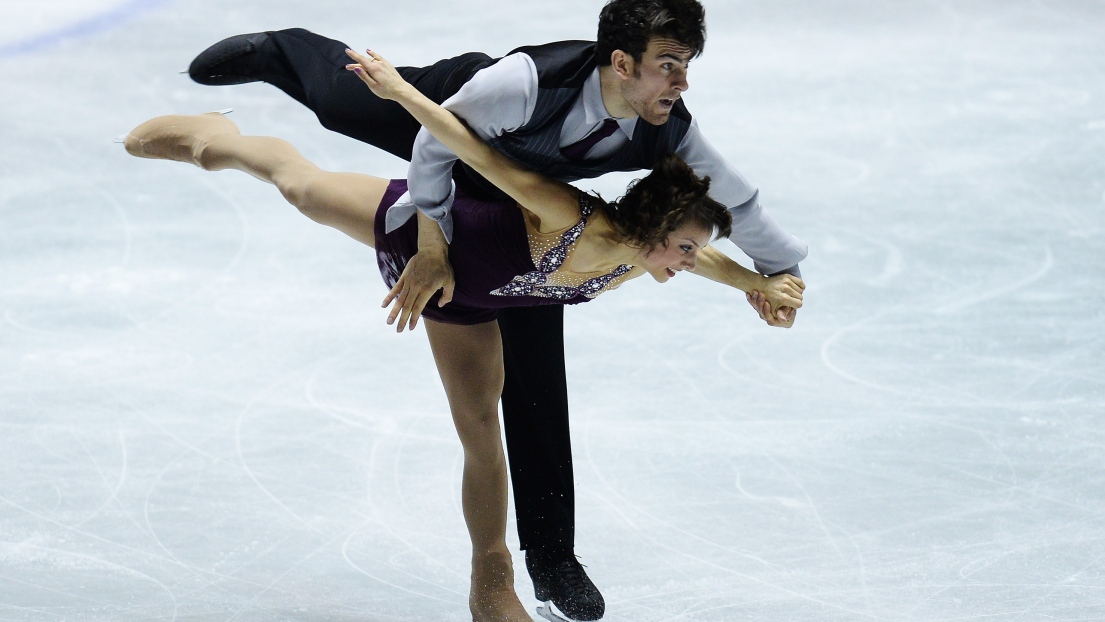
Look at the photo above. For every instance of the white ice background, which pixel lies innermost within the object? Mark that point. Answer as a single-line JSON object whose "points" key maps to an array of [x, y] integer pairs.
{"points": [[204, 417]]}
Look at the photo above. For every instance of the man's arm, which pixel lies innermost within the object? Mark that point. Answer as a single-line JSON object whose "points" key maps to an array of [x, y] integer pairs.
{"points": [[755, 232], [499, 98]]}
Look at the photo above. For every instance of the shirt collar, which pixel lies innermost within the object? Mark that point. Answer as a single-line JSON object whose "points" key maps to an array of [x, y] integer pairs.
{"points": [[595, 111]]}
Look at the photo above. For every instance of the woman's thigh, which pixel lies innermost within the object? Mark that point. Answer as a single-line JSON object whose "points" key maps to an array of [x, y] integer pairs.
{"points": [[345, 201], [470, 362]]}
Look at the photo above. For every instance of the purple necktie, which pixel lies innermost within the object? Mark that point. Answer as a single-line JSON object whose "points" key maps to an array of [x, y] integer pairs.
{"points": [[577, 151]]}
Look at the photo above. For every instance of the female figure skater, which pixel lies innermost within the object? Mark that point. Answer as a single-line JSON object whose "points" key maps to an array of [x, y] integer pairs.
{"points": [[552, 245]]}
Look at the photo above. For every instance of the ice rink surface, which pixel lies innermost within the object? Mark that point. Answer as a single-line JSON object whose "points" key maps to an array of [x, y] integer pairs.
{"points": [[204, 417]]}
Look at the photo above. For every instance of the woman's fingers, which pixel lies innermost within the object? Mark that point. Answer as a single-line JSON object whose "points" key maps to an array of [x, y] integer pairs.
{"points": [[363, 67], [360, 60], [363, 59], [786, 316]]}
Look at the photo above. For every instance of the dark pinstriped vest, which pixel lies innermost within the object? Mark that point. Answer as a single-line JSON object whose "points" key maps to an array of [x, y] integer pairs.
{"points": [[562, 69]]}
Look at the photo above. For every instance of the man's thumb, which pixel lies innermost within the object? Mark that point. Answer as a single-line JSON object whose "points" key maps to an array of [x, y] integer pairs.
{"points": [[446, 295]]}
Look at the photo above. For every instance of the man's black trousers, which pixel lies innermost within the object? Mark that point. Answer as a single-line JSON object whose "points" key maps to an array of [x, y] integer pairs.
{"points": [[311, 69]]}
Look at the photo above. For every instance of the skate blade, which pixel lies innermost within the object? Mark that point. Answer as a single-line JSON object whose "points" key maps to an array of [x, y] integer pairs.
{"points": [[120, 139], [546, 611]]}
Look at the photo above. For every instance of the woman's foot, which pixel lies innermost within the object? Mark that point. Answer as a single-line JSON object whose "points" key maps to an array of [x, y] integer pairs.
{"points": [[183, 138], [493, 598]]}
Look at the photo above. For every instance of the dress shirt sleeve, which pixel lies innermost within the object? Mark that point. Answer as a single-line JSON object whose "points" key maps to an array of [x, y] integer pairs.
{"points": [[498, 99], [754, 230]]}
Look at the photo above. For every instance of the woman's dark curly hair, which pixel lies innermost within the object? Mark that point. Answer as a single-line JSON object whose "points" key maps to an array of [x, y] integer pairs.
{"points": [[627, 25], [668, 198]]}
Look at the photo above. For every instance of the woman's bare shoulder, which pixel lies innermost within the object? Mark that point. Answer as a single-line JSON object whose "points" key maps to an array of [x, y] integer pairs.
{"points": [[556, 214]]}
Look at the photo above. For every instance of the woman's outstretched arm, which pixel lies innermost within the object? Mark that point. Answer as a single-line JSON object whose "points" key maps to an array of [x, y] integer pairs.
{"points": [[783, 292], [555, 203]]}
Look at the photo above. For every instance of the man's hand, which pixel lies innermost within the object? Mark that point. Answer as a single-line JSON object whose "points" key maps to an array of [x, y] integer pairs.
{"points": [[426, 272], [779, 301]]}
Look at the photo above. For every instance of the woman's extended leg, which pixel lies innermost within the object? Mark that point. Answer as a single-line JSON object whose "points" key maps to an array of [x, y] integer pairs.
{"points": [[470, 362], [344, 201]]}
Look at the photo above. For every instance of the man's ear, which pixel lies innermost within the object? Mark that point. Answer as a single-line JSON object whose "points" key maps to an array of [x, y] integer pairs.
{"points": [[622, 64]]}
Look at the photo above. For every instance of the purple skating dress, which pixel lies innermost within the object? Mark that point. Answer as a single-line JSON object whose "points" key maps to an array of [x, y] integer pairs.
{"points": [[492, 260]]}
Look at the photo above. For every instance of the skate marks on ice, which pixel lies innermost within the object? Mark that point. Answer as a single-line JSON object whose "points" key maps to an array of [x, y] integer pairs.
{"points": [[938, 442], [990, 341]]}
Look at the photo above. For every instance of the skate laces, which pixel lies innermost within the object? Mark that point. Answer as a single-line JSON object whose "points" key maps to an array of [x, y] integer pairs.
{"points": [[571, 573]]}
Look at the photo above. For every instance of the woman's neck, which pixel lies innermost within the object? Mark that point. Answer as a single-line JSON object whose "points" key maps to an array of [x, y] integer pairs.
{"points": [[603, 249]]}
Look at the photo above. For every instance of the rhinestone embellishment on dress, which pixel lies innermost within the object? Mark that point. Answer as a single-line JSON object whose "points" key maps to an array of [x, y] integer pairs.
{"points": [[534, 283]]}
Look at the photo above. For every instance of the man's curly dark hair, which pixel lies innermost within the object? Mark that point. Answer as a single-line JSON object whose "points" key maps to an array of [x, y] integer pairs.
{"points": [[668, 198], [627, 25]]}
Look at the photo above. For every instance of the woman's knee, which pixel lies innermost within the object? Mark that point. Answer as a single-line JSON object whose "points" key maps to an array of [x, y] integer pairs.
{"points": [[478, 428], [305, 190]]}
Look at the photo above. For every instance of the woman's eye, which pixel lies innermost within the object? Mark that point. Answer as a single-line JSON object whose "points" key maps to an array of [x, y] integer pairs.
{"points": [[686, 248]]}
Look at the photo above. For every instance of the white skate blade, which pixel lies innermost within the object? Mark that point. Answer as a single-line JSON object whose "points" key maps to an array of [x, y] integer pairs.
{"points": [[549, 612]]}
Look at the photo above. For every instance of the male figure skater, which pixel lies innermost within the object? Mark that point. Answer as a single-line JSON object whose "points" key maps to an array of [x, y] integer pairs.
{"points": [[573, 110]]}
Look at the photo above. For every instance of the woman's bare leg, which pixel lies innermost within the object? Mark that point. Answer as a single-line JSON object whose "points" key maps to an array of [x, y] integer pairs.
{"points": [[344, 201], [470, 361]]}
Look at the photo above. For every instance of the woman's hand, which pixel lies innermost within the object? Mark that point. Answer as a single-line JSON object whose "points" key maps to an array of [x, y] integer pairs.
{"points": [[378, 74]]}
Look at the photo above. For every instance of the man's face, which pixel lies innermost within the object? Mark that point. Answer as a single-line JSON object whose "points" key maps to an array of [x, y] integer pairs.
{"points": [[658, 81]]}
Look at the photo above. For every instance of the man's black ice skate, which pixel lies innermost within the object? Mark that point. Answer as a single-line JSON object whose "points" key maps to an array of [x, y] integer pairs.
{"points": [[234, 60], [558, 577]]}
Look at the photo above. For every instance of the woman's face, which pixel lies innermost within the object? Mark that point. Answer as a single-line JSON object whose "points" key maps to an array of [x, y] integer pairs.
{"points": [[679, 254]]}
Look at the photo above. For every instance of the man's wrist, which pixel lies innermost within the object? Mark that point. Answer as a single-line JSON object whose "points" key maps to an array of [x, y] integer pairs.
{"points": [[431, 239], [793, 271]]}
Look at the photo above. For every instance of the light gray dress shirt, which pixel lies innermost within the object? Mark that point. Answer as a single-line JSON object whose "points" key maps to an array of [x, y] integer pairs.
{"points": [[501, 98]]}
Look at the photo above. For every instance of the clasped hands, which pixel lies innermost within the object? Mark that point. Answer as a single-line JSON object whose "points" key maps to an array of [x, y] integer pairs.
{"points": [[779, 301]]}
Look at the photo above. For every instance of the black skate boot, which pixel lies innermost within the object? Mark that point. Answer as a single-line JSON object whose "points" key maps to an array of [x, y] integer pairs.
{"points": [[558, 577], [235, 60]]}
